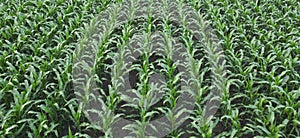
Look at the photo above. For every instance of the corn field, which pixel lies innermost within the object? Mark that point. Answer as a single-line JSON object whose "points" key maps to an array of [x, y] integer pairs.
{"points": [[149, 68]]}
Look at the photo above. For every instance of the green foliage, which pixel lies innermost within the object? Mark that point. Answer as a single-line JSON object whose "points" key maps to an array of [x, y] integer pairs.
{"points": [[260, 39]]}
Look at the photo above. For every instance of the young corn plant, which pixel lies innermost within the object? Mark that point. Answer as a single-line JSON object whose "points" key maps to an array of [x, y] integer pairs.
{"points": [[39, 39]]}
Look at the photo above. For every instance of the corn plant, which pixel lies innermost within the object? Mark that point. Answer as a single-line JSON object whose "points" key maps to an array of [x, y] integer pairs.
{"points": [[46, 46]]}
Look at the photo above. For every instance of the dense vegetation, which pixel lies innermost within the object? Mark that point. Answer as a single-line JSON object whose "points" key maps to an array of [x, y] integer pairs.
{"points": [[260, 39]]}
